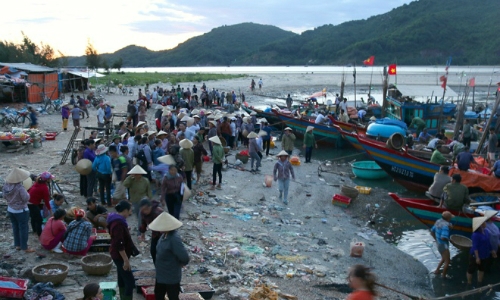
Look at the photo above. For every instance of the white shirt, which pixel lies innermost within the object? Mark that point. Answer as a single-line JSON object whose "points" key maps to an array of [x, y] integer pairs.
{"points": [[100, 115], [432, 143], [319, 119], [343, 105], [233, 128]]}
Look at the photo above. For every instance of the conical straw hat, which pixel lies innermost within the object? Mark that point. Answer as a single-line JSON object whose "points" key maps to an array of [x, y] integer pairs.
{"points": [[215, 139], [490, 213], [186, 144], [167, 159], [165, 222], [84, 166], [262, 133], [161, 133], [17, 175], [477, 222], [282, 153], [190, 122], [137, 170], [27, 183], [252, 135], [309, 128]]}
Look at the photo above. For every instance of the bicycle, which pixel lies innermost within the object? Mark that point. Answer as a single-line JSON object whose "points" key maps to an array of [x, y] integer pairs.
{"points": [[7, 120], [51, 106], [23, 118]]}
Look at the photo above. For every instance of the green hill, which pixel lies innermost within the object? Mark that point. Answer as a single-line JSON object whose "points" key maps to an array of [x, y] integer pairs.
{"points": [[422, 32], [221, 46]]}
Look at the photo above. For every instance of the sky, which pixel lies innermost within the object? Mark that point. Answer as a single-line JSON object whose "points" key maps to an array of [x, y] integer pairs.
{"points": [[110, 25]]}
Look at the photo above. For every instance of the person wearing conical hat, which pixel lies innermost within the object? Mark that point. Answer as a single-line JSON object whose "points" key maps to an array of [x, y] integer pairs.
{"points": [[17, 207], [288, 140], [492, 228], [282, 171], [116, 141], [171, 256], [91, 178], [441, 234], [218, 158], [187, 155], [138, 188], [480, 251], [309, 143]]}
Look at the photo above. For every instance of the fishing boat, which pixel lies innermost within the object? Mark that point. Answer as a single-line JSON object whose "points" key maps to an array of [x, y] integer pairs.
{"points": [[270, 116], [427, 212], [404, 101], [418, 174], [368, 170], [323, 133], [350, 137]]}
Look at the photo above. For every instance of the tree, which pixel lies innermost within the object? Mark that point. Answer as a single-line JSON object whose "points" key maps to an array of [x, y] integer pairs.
{"points": [[117, 64], [93, 58], [105, 66]]}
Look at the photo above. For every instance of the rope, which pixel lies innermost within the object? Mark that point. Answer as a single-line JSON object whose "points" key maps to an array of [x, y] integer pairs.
{"points": [[396, 291], [471, 292]]}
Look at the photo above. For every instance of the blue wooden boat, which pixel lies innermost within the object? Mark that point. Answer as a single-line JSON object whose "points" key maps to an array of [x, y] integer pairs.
{"points": [[403, 101], [368, 170]]}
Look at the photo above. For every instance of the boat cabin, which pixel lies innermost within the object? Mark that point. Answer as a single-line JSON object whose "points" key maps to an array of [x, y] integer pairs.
{"points": [[403, 101]]}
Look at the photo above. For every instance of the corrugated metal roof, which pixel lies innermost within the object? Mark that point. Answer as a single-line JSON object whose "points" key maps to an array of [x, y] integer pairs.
{"points": [[425, 90], [85, 74], [28, 67]]}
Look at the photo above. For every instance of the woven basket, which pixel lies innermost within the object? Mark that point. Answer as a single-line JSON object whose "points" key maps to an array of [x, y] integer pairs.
{"points": [[349, 191], [55, 279], [461, 242], [97, 264]]}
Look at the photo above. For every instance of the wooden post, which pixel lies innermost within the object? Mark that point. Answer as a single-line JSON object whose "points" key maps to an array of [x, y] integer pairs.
{"points": [[488, 124], [385, 87]]}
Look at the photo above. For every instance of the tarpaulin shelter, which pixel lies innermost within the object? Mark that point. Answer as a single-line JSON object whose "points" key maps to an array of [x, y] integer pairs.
{"points": [[37, 81], [75, 79]]}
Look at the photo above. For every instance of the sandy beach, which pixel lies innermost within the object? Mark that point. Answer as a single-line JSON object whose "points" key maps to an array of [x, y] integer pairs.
{"points": [[301, 249]]}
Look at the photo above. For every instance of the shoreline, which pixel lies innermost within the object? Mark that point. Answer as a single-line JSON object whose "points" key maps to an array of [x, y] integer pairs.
{"points": [[273, 239]]}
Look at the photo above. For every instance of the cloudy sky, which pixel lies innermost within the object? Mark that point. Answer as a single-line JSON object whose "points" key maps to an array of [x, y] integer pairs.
{"points": [[162, 24]]}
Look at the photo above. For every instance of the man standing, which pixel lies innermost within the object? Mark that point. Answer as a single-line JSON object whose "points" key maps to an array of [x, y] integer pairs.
{"points": [[492, 146], [309, 143], [441, 234], [343, 105], [467, 133], [281, 173], [91, 177], [154, 96], [288, 140], [457, 194], [289, 102], [100, 116], [266, 139]]}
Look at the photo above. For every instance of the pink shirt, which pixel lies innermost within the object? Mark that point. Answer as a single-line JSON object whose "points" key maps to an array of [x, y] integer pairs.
{"points": [[51, 230]]}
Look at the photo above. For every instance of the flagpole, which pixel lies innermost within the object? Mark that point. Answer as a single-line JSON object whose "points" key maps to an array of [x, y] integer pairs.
{"points": [[396, 77], [445, 82], [384, 90]]}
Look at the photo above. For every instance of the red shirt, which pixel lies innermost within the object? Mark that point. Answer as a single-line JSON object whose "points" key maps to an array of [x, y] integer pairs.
{"points": [[51, 230], [360, 295], [39, 192]]}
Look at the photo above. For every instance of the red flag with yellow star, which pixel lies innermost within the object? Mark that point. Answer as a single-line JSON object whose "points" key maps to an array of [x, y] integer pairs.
{"points": [[392, 69], [369, 61]]}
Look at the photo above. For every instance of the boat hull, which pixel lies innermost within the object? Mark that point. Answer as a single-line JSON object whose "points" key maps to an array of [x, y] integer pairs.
{"points": [[428, 213], [368, 170]]}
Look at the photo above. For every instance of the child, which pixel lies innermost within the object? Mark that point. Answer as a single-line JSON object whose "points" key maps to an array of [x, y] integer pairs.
{"points": [[282, 171], [33, 117]]}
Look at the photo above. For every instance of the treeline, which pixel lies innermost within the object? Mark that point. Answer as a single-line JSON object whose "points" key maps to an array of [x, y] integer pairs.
{"points": [[29, 52]]}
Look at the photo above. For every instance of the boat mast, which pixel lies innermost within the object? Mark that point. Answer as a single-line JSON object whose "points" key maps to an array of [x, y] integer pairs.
{"points": [[342, 86], [444, 79], [488, 124], [354, 77], [385, 87]]}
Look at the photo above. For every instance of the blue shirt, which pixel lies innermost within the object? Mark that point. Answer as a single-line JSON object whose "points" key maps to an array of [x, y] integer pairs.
{"points": [[107, 112], [157, 152], [53, 205], [442, 230], [496, 169], [102, 164], [481, 243], [463, 161], [34, 118], [268, 136]]}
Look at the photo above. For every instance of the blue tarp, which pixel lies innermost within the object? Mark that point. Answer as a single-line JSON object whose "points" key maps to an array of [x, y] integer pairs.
{"points": [[387, 121]]}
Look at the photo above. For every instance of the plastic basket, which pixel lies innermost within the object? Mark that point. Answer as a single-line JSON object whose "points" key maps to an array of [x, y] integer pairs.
{"points": [[363, 189], [340, 200], [7, 292], [204, 293], [108, 290]]}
